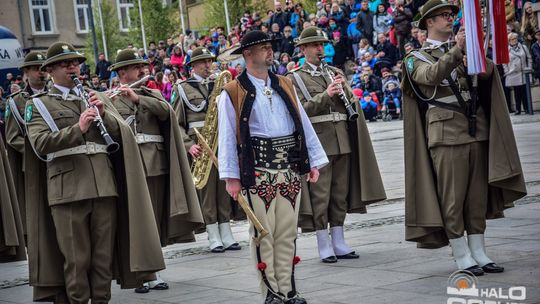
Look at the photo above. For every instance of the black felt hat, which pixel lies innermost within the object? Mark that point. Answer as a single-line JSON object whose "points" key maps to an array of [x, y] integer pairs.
{"points": [[250, 39]]}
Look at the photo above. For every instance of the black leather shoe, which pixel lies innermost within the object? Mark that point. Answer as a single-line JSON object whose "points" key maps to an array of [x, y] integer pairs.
{"points": [[234, 246], [218, 249], [475, 270], [492, 268], [142, 289], [160, 286], [330, 259], [348, 256], [296, 300], [273, 299]]}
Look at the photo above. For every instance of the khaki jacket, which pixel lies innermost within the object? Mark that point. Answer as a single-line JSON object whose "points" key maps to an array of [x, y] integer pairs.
{"points": [[423, 218], [196, 93], [155, 116], [73, 177], [444, 127], [334, 137], [149, 115], [365, 182]]}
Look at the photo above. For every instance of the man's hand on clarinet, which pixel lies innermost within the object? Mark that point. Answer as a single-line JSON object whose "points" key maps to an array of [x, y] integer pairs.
{"points": [[313, 175], [86, 119], [95, 101], [233, 187]]}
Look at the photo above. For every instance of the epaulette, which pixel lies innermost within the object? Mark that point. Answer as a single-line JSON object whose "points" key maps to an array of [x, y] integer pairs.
{"points": [[40, 94], [294, 70], [23, 92]]}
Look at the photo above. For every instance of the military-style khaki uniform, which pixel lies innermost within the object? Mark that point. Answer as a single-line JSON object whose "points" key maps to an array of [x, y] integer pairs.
{"points": [[460, 161], [81, 192], [144, 120], [215, 201], [329, 118]]}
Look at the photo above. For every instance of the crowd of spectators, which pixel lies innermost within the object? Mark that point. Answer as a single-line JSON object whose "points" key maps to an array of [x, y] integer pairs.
{"points": [[367, 40]]}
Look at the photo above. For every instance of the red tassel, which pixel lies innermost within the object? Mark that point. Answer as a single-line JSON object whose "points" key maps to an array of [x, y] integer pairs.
{"points": [[500, 33], [296, 260], [261, 266]]}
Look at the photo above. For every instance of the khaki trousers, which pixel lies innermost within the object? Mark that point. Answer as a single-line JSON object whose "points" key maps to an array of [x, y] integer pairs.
{"points": [[215, 201], [86, 233], [329, 194], [462, 187], [156, 187], [275, 201]]}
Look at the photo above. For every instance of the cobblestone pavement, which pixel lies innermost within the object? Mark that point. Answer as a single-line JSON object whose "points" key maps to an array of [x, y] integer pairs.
{"points": [[389, 270]]}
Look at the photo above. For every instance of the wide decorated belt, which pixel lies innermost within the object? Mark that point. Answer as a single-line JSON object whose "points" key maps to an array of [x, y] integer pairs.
{"points": [[275, 153]]}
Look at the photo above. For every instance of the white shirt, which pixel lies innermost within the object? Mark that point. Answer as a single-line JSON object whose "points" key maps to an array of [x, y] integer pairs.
{"points": [[37, 91], [197, 77], [65, 90], [266, 120], [314, 67], [434, 42]]}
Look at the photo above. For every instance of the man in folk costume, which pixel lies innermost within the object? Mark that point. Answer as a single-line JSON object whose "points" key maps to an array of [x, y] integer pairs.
{"points": [[352, 179], [455, 177], [266, 143], [11, 223], [89, 213], [36, 80], [190, 100], [168, 176]]}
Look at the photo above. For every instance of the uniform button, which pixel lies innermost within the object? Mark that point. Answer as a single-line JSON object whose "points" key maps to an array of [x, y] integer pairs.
{"points": [[252, 95], [245, 118], [306, 161]]}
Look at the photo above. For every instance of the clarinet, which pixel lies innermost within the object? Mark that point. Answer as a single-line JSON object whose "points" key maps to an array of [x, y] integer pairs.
{"points": [[112, 146], [353, 115]]}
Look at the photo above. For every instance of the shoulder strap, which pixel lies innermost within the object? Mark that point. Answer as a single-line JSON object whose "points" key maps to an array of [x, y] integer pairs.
{"points": [[431, 100], [302, 86], [191, 106], [42, 109], [18, 118]]}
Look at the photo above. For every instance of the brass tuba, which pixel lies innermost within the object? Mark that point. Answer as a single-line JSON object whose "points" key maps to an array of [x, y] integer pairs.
{"points": [[201, 166]]}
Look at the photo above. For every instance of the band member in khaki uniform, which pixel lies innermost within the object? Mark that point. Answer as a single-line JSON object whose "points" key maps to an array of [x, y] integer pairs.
{"points": [[190, 101], [266, 142], [36, 80], [352, 179], [86, 206], [165, 161], [11, 226], [460, 167]]}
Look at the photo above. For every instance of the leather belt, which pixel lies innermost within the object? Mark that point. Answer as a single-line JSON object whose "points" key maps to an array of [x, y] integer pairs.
{"points": [[89, 148], [275, 153], [142, 138], [450, 99], [196, 124], [333, 117]]}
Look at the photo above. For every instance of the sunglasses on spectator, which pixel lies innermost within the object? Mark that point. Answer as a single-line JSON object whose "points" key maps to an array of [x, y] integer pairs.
{"points": [[68, 62], [445, 15]]}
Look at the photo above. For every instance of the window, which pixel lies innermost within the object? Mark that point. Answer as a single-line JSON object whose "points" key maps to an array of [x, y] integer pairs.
{"points": [[41, 16], [123, 13], [82, 15]]}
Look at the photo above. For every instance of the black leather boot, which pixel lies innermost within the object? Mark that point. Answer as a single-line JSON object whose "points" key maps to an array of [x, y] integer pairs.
{"points": [[273, 299]]}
